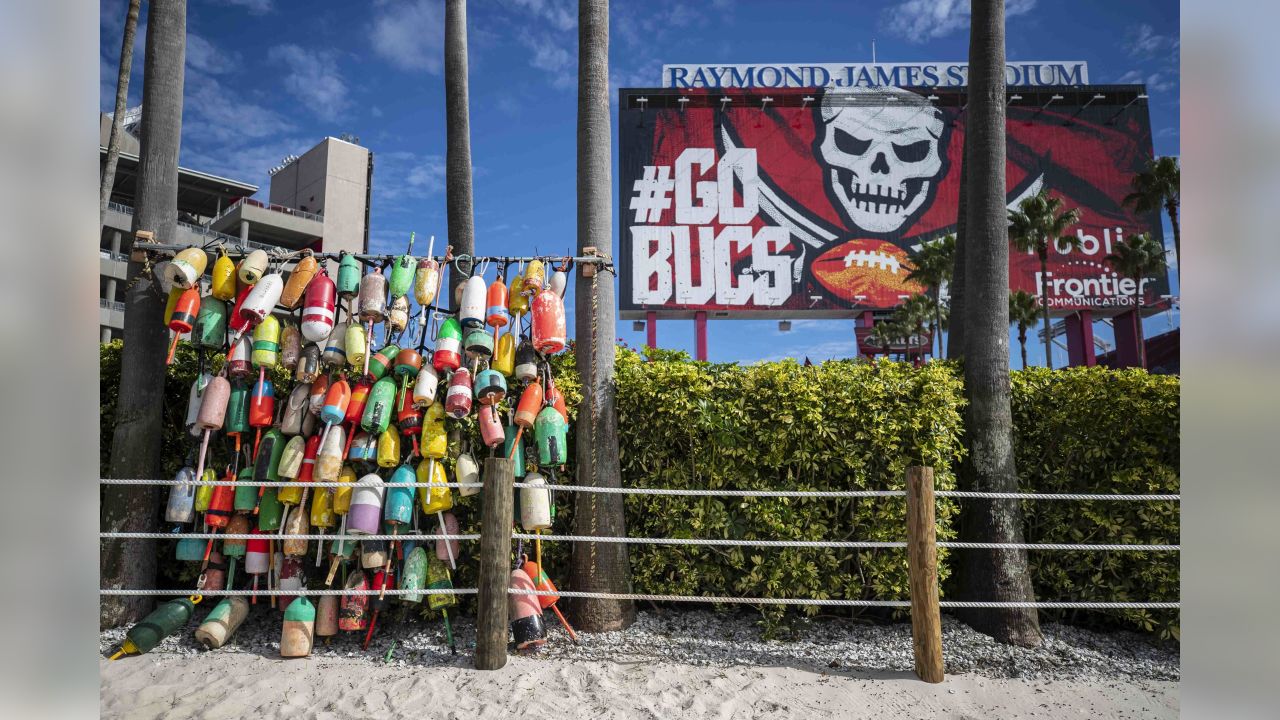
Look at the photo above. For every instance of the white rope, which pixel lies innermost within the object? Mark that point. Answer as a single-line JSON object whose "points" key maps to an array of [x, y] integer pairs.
{"points": [[290, 593], [679, 492], [847, 603], [836, 543], [276, 536]]}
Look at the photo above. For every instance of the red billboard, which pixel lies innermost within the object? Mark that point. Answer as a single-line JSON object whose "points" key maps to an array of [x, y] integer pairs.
{"points": [[801, 201]]}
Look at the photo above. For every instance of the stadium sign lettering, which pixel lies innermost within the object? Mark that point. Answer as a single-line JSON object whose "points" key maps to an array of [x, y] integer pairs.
{"points": [[867, 75]]}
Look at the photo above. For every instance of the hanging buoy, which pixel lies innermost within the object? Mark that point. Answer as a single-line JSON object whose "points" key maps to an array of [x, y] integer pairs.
{"points": [[217, 512], [317, 309], [213, 410], [356, 345], [531, 401], [262, 299], [295, 408], [471, 312], [308, 364], [551, 432], [365, 516], [298, 633], [289, 577], [388, 448], [319, 391], [448, 352], [373, 554], [353, 613], [262, 405], [181, 506], [213, 576], [380, 407], [448, 549], [236, 423], [252, 268], [383, 580], [526, 363], [543, 584], [348, 275], [327, 617], [246, 493], [397, 509], [457, 400], [340, 550], [221, 623], [401, 274], [548, 323], [336, 400], [322, 516], [266, 343], [491, 387], [535, 504], [433, 494], [237, 323], [290, 346], [491, 432], [291, 458], [189, 550], [513, 449], [479, 344], [382, 361], [364, 448], [210, 331], [559, 281], [270, 510], [467, 471], [373, 297], [534, 277], [435, 440], [356, 405], [183, 319], [414, 576], [504, 354], [257, 560], [398, 315], [160, 623], [335, 347], [409, 420], [301, 276], [193, 402], [438, 579], [186, 267], [526, 614], [555, 398], [425, 386], [496, 314], [239, 366], [266, 466], [223, 277]]}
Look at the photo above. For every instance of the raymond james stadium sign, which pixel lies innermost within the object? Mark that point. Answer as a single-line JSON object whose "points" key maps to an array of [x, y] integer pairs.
{"points": [[856, 75]]}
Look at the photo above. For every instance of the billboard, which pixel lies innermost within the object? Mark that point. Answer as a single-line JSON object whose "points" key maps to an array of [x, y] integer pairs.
{"points": [[792, 202]]}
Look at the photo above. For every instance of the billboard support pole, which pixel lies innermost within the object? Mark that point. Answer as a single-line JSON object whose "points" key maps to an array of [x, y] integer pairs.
{"points": [[700, 335], [1080, 350], [651, 329], [1126, 328]]}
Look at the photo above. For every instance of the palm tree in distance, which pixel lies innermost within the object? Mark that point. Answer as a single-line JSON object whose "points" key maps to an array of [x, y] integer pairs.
{"points": [[1137, 257], [1024, 310], [912, 316], [1039, 221], [1158, 187], [931, 266], [881, 337]]}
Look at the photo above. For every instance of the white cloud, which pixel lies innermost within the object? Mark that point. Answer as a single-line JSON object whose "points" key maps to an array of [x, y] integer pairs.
{"points": [[313, 79], [552, 56], [922, 20], [215, 113], [1142, 41], [410, 35], [256, 7], [204, 56], [401, 175], [560, 14]]}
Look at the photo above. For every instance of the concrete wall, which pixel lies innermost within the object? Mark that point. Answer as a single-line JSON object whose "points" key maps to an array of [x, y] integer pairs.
{"points": [[330, 179]]}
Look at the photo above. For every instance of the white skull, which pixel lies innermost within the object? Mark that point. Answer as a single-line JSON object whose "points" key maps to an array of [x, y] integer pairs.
{"points": [[880, 149]]}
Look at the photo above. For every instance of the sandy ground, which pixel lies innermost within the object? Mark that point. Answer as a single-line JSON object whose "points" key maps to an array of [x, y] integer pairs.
{"points": [[234, 685]]}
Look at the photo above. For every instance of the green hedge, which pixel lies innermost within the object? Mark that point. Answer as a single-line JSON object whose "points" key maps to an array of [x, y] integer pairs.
{"points": [[850, 425]]}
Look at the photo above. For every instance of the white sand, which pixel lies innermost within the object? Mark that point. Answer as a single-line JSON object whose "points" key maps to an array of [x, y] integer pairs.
{"points": [[238, 684]]}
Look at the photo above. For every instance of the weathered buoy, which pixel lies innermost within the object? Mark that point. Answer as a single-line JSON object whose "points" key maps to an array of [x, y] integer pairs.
{"points": [[299, 629], [425, 386], [221, 622], [478, 343], [327, 616], [353, 613], [356, 345], [457, 400], [471, 311], [388, 448], [496, 314], [262, 299], [548, 323], [504, 354], [414, 576], [186, 267], [252, 268], [513, 449], [266, 343], [526, 614], [183, 318], [222, 284], [318, 306], [426, 281], [210, 331], [526, 362], [534, 277], [308, 367], [543, 584], [559, 281], [491, 387], [160, 623], [348, 275], [382, 361], [335, 347], [491, 432], [373, 297], [398, 315], [365, 516], [181, 507], [299, 278], [551, 433], [535, 504], [447, 550], [466, 470], [448, 352], [380, 407]]}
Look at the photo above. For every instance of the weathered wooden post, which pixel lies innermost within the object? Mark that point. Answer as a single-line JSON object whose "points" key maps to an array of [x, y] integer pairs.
{"points": [[495, 564], [922, 567]]}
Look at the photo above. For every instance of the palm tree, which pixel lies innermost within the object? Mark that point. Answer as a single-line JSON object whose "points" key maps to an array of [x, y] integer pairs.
{"points": [[1137, 257], [136, 443], [989, 465], [1157, 187], [882, 336], [1024, 310], [602, 567], [1039, 221], [931, 266], [459, 211], [122, 98]]}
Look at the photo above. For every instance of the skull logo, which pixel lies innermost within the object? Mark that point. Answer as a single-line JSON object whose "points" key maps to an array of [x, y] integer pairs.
{"points": [[880, 153]]}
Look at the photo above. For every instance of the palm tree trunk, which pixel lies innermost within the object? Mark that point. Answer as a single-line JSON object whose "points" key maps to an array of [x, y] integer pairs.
{"points": [[136, 443], [955, 336], [595, 567], [937, 320], [1022, 343], [999, 575], [1137, 316], [1172, 208], [122, 99], [1044, 308], [459, 210]]}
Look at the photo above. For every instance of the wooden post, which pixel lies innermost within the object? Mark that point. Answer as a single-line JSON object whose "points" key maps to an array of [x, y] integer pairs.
{"points": [[495, 564], [922, 566]]}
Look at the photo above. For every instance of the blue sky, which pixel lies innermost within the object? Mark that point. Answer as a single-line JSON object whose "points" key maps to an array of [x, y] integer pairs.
{"points": [[267, 78]]}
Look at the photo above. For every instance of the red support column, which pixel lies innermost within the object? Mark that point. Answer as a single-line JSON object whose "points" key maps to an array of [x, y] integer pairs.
{"points": [[1080, 339], [700, 335], [651, 329], [1126, 325]]}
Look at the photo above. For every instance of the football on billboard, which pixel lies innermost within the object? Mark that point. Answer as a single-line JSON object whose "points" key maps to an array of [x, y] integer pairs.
{"points": [[874, 269]]}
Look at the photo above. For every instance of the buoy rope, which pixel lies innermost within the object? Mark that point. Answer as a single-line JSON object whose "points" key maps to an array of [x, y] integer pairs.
{"points": [[678, 491], [842, 543], [275, 536], [848, 603], [291, 593]]}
